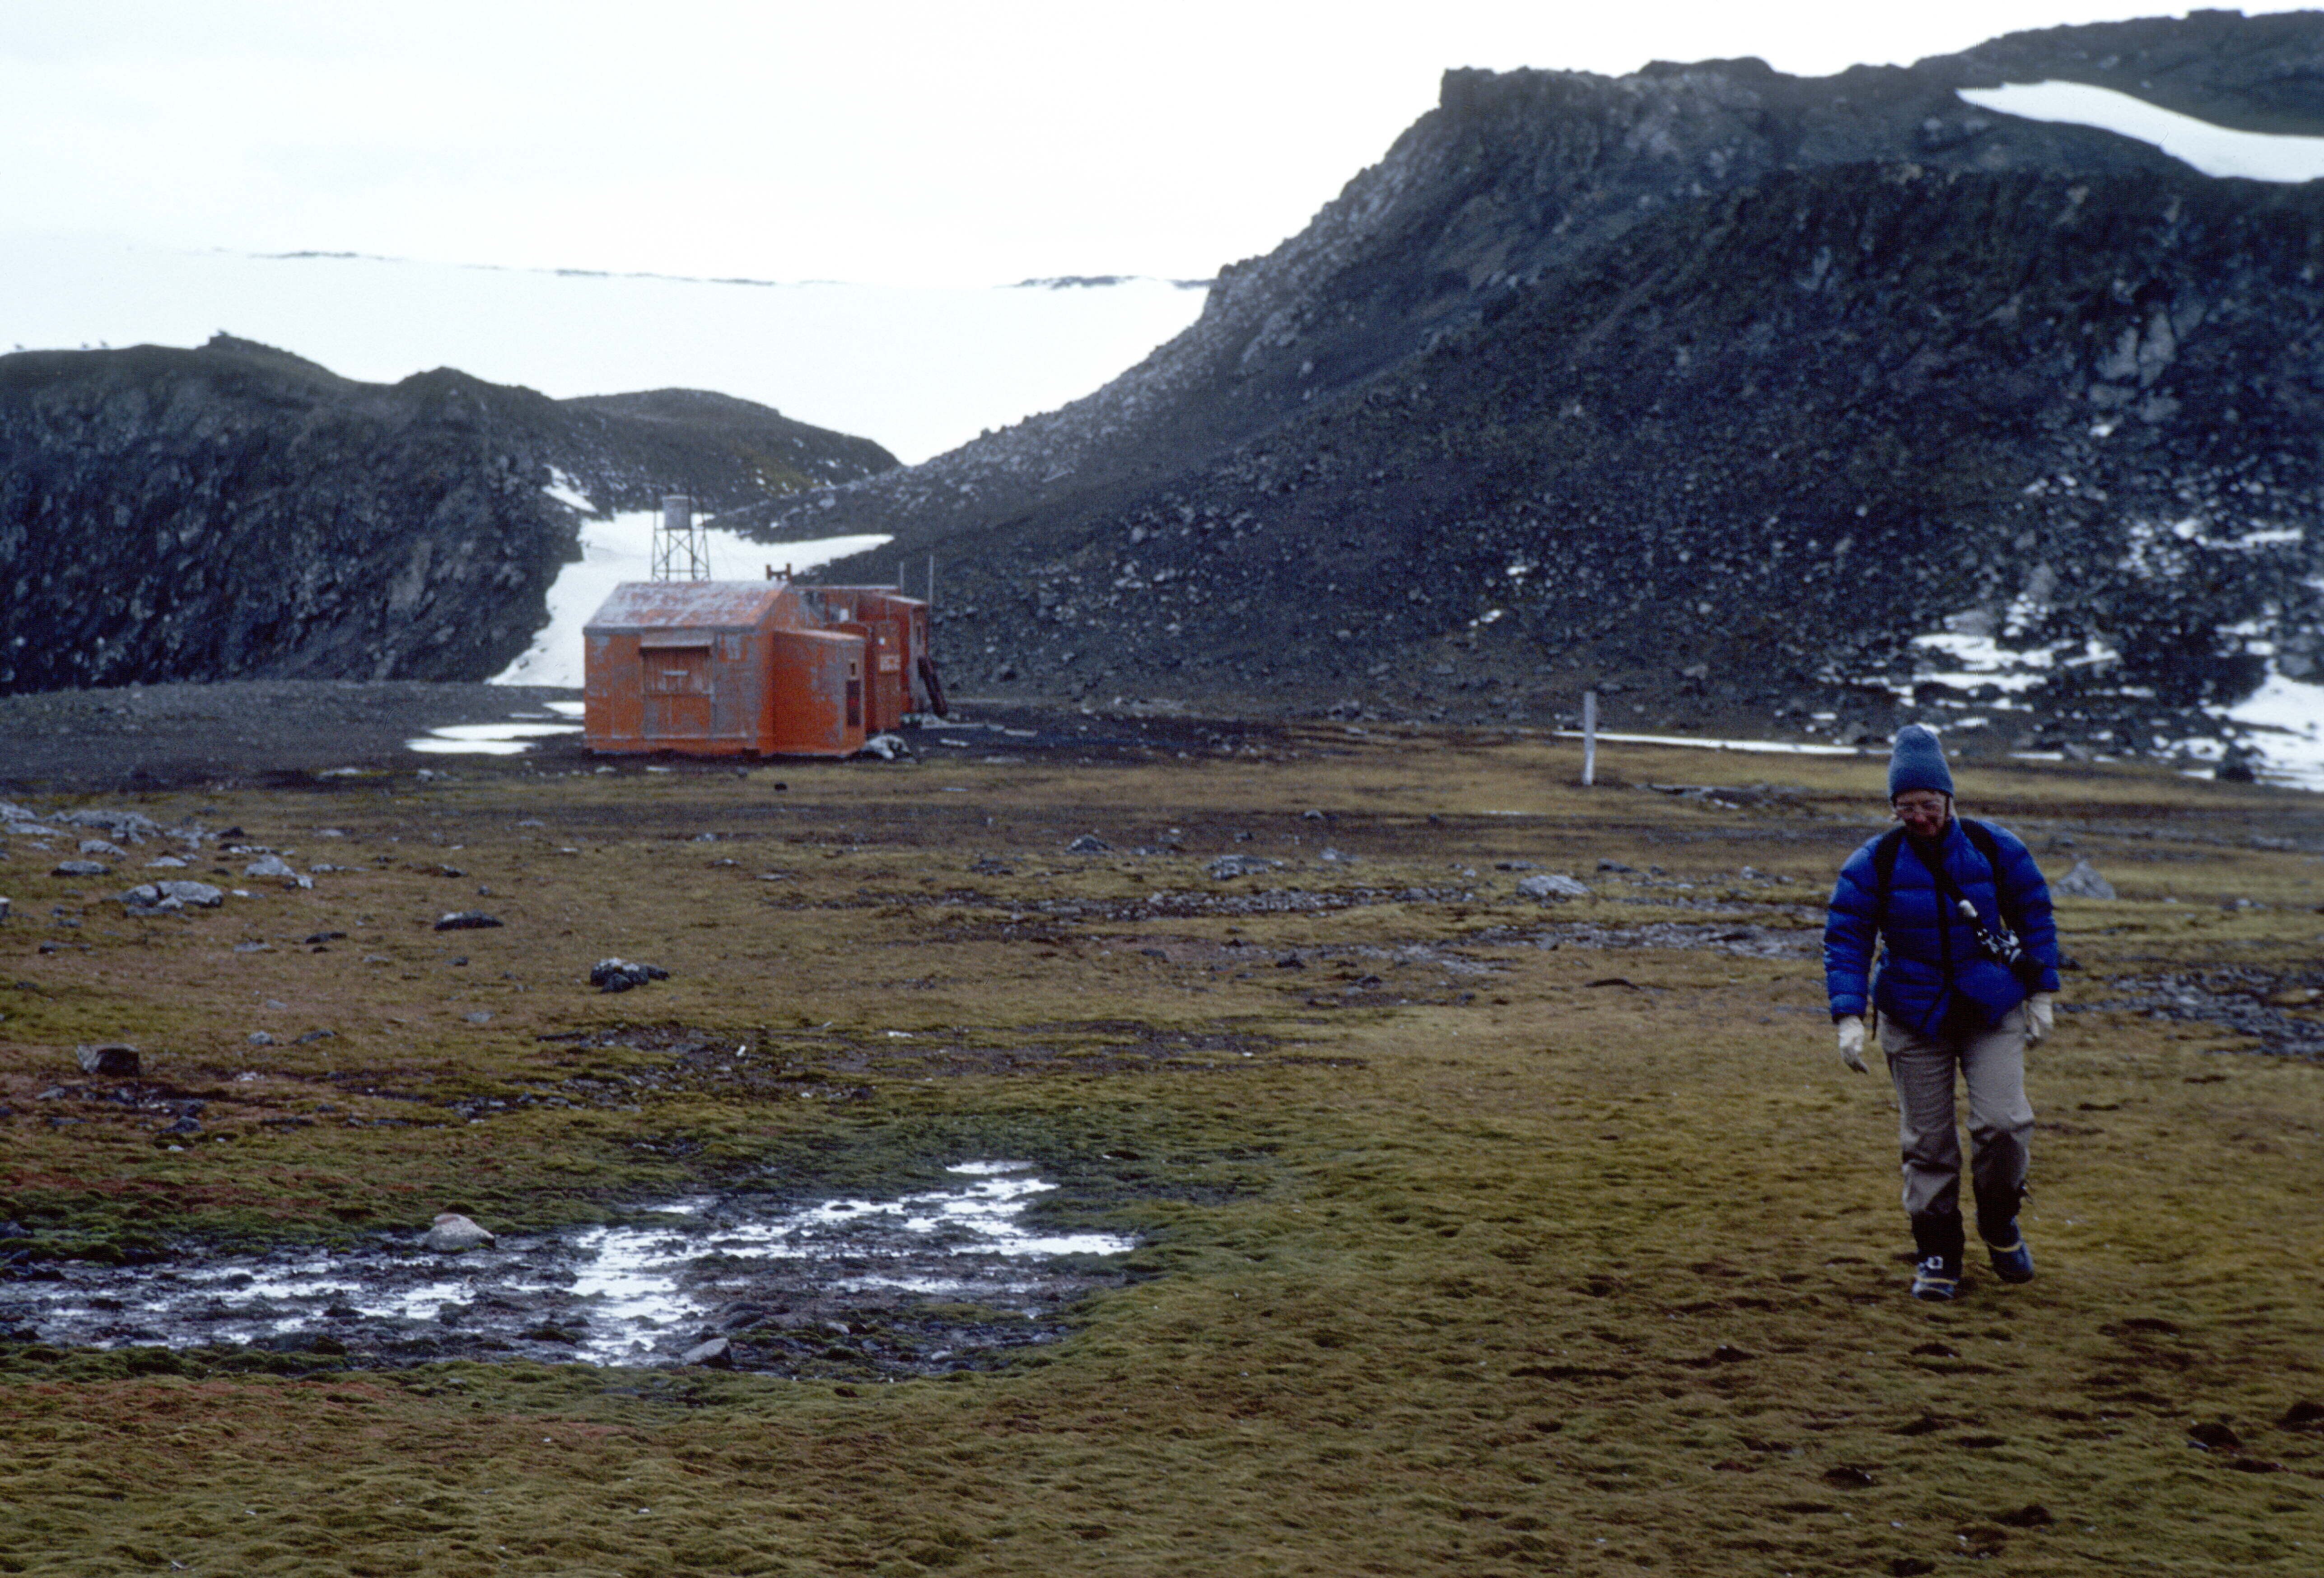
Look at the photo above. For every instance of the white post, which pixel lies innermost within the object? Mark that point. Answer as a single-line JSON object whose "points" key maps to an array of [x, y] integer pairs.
{"points": [[1589, 738], [932, 586]]}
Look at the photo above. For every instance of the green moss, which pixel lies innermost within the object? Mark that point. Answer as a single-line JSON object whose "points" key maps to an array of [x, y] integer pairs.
{"points": [[1423, 1286]]}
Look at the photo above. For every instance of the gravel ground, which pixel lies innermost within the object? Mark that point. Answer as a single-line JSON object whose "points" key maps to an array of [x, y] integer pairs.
{"points": [[162, 736], [266, 732]]}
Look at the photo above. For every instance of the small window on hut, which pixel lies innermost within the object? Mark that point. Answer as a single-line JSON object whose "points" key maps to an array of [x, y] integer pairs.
{"points": [[675, 670]]}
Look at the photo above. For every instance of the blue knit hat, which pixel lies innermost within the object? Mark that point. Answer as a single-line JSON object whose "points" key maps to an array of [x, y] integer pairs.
{"points": [[1918, 762]]}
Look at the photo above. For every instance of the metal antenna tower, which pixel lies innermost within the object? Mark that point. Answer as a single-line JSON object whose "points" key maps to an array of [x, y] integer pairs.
{"points": [[681, 548]]}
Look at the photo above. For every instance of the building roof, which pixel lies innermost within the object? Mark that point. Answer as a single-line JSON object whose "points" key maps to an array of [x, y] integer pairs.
{"points": [[645, 605]]}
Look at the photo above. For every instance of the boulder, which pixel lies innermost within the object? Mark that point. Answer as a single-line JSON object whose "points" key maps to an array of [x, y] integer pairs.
{"points": [[622, 974], [128, 826], [171, 896], [108, 1059], [454, 1232], [1548, 885], [465, 920], [2083, 883], [1089, 844], [718, 1353], [269, 865], [1237, 865], [80, 868]]}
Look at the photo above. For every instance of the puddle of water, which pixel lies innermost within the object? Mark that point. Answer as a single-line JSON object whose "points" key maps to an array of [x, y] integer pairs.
{"points": [[640, 1293]]}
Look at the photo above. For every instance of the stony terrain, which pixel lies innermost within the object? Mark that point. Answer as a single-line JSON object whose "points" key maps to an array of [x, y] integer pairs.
{"points": [[1713, 386], [235, 512], [1470, 1230]]}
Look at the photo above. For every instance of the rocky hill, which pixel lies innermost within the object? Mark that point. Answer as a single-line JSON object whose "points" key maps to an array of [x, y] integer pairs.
{"points": [[235, 512], [1714, 387]]}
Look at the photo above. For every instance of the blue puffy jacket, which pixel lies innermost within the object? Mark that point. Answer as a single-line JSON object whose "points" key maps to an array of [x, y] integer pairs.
{"points": [[1932, 956]]}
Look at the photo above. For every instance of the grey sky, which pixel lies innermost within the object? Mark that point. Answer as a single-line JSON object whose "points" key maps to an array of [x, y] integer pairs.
{"points": [[903, 142]]}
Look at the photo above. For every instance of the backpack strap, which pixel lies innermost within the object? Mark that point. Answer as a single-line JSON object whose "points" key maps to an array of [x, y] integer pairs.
{"points": [[1981, 837], [1884, 867]]}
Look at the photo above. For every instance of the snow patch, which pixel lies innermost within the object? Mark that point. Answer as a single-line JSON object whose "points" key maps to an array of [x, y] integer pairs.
{"points": [[1770, 747], [2286, 718], [567, 492], [2212, 150], [484, 739]]}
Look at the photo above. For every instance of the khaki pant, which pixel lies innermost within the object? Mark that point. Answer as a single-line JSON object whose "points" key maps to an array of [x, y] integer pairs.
{"points": [[1992, 1062]]}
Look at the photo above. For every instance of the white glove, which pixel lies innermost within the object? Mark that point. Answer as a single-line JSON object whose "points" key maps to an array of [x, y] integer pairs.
{"points": [[1851, 1043], [2041, 1017]]}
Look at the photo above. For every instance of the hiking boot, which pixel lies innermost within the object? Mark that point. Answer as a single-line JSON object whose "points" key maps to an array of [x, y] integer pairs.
{"points": [[2013, 1262], [1936, 1277]]}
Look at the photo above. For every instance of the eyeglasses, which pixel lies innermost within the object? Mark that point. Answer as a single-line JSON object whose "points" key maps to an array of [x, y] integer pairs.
{"points": [[1934, 806]]}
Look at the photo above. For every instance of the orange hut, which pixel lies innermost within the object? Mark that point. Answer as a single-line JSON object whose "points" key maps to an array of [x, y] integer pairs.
{"points": [[723, 668], [901, 680]]}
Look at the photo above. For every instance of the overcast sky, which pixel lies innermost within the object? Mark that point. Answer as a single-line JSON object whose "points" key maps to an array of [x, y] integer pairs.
{"points": [[897, 142]]}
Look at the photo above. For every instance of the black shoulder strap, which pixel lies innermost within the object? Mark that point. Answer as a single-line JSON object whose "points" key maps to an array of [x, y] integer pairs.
{"points": [[1884, 866], [1988, 846]]}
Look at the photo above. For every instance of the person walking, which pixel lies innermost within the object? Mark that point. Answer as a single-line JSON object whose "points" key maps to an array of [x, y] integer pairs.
{"points": [[1968, 979]]}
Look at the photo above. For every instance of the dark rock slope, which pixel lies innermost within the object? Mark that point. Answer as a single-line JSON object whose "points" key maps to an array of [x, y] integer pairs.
{"points": [[1708, 383], [235, 512]]}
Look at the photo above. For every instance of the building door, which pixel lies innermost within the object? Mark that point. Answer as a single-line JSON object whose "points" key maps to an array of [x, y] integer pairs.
{"points": [[677, 692]]}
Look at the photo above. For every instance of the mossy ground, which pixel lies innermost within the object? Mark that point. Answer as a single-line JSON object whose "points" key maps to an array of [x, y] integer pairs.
{"points": [[1444, 1269]]}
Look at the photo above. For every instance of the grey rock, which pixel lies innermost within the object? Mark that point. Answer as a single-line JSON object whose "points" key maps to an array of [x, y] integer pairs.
{"points": [[167, 862], [886, 747], [1606, 864], [261, 1038], [129, 826], [81, 868], [1089, 844], [1548, 885], [465, 920], [718, 1353], [1337, 857], [1237, 865], [2083, 883], [109, 1059], [172, 895], [103, 849], [623, 974], [454, 1232], [269, 865]]}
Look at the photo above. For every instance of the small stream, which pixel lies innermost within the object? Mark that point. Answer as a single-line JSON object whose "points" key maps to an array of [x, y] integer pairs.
{"points": [[931, 1281]]}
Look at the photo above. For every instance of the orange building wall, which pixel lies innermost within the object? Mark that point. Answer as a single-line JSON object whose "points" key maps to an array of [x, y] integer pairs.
{"points": [[781, 684]]}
